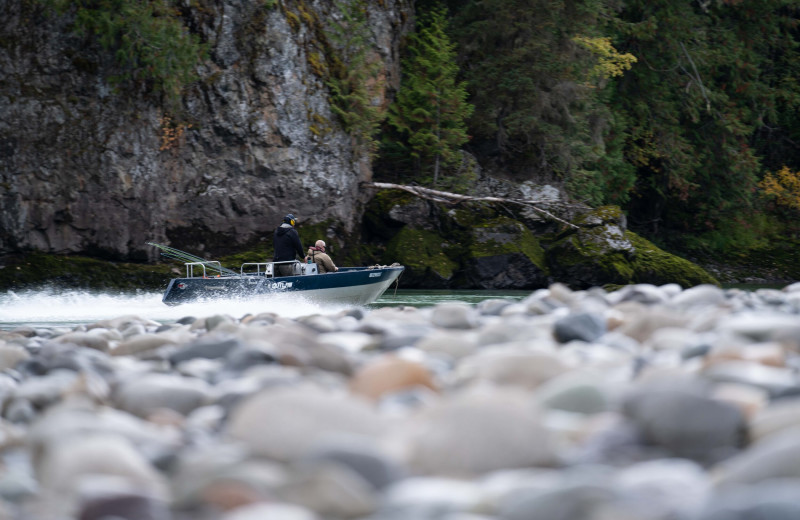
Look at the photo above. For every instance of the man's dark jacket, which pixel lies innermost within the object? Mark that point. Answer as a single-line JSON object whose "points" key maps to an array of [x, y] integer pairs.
{"points": [[286, 243]]}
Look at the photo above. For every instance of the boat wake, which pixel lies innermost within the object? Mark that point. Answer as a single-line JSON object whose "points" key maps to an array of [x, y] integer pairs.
{"points": [[67, 308]]}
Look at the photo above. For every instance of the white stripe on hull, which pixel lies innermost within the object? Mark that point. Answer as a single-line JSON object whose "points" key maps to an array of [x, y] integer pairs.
{"points": [[355, 295]]}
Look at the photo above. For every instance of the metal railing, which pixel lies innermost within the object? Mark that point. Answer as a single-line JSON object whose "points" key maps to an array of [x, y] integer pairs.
{"points": [[211, 263]]}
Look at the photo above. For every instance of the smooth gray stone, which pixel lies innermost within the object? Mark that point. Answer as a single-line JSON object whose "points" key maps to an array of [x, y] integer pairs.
{"points": [[478, 431], [774, 457], [643, 293], [453, 344], [699, 295], [773, 500], [512, 366], [698, 350], [245, 357], [778, 381], [12, 355], [144, 395], [84, 339], [354, 312], [669, 488], [47, 389], [207, 348], [269, 510], [70, 469], [55, 356], [454, 315], [287, 423], [319, 324], [362, 457], [583, 326], [19, 411], [429, 497], [28, 332], [573, 392], [396, 337], [569, 503], [761, 326], [186, 320], [617, 444], [687, 424], [8, 386], [771, 296], [212, 322], [17, 483], [493, 306], [332, 490], [120, 506]]}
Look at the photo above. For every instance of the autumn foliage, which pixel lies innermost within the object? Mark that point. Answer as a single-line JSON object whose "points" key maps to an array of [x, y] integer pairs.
{"points": [[783, 188]]}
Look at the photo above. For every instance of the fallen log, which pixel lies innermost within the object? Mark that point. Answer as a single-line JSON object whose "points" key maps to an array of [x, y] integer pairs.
{"points": [[446, 197]]}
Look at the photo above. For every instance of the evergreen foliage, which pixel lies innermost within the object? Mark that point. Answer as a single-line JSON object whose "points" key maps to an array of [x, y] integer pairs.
{"points": [[149, 41], [538, 73], [707, 87], [431, 108], [356, 82]]}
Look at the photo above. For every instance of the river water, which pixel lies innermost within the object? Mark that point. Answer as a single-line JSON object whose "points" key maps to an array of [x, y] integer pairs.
{"points": [[54, 308]]}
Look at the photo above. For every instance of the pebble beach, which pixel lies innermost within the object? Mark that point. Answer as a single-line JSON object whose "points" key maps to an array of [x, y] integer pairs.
{"points": [[646, 403]]}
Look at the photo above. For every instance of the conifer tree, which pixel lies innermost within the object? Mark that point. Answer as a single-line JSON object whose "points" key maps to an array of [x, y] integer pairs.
{"points": [[355, 81], [431, 108]]}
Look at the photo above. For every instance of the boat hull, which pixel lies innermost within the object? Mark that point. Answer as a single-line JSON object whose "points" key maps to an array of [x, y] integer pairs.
{"points": [[349, 285]]}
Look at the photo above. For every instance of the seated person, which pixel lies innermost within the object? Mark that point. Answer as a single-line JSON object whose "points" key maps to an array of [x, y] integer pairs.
{"points": [[317, 254]]}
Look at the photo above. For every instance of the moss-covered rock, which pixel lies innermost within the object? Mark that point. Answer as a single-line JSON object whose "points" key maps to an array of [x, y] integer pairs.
{"points": [[35, 270], [389, 211], [504, 254], [601, 252], [653, 265], [423, 255]]}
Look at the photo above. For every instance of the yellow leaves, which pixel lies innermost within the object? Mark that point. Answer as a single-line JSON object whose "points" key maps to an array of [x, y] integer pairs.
{"points": [[171, 132], [610, 63], [783, 187]]}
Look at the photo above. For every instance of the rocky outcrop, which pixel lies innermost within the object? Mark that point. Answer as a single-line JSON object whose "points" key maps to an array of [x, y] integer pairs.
{"points": [[602, 252], [448, 248], [85, 169], [477, 247]]}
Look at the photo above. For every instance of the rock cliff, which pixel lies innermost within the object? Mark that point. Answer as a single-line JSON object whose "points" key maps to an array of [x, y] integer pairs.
{"points": [[90, 170]]}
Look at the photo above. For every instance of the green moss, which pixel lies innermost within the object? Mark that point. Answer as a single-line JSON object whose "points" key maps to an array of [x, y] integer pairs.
{"points": [[601, 215], [656, 266], [375, 216], [471, 216], [502, 236], [293, 20], [420, 250], [38, 269], [581, 261]]}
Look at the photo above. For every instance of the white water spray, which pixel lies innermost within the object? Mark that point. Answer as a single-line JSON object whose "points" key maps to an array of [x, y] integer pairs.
{"points": [[52, 308]]}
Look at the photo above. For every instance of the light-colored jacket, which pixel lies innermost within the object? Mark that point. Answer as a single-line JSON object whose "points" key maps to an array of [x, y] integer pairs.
{"points": [[323, 261]]}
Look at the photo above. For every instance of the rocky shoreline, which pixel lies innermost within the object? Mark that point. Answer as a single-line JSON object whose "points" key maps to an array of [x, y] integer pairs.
{"points": [[650, 402]]}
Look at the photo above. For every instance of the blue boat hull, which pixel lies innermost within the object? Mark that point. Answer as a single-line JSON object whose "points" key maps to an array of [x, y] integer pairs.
{"points": [[349, 285]]}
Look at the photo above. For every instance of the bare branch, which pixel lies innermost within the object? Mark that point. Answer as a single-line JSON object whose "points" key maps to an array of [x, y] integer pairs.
{"points": [[446, 197], [697, 77]]}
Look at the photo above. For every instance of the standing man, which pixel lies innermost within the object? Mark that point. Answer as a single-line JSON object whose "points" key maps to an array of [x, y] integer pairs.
{"points": [[287, 245]]}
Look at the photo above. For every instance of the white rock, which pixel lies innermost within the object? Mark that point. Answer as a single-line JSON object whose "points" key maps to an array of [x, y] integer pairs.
{"points": [[286, 423]]}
